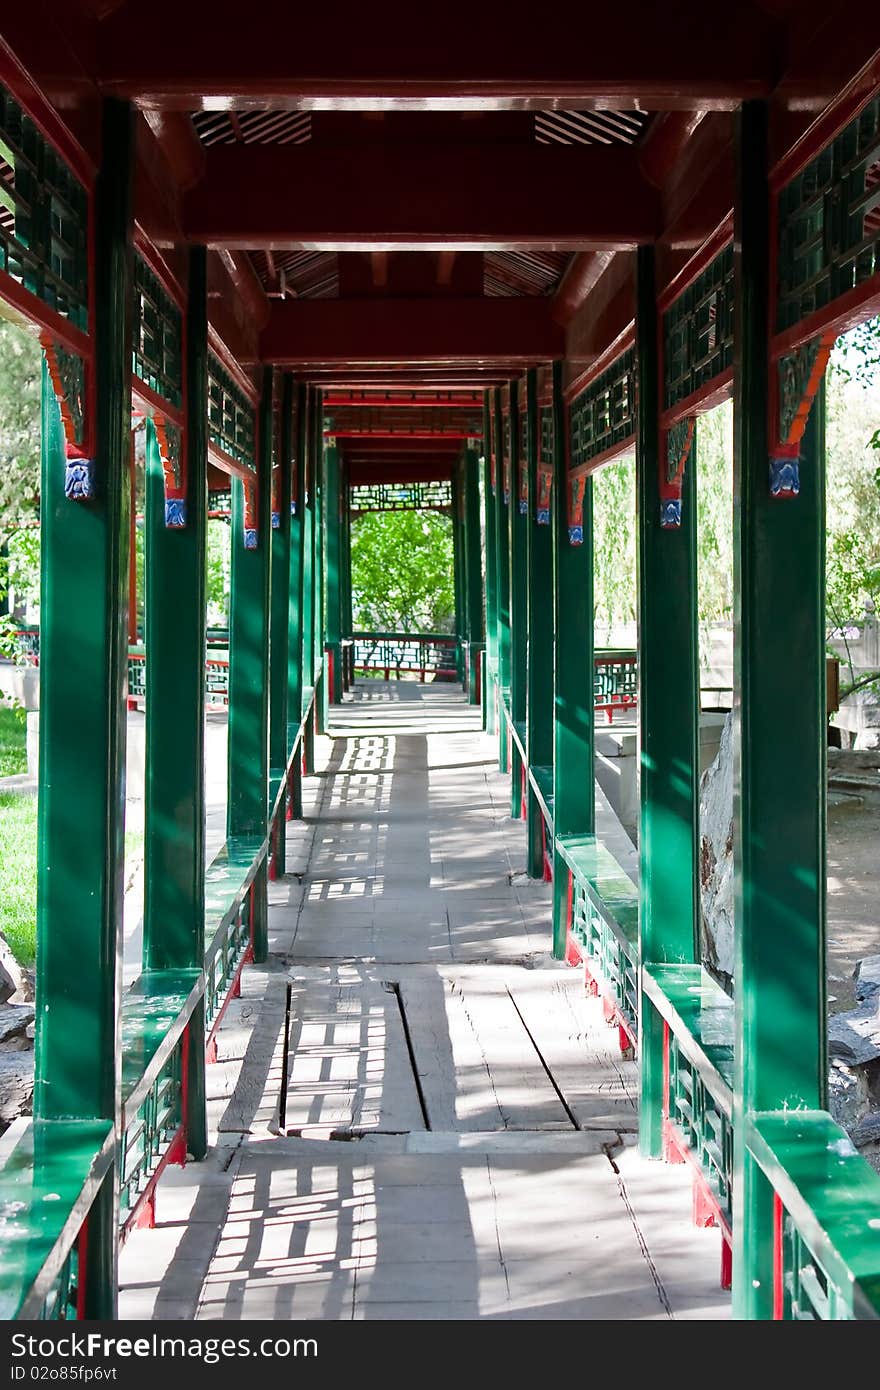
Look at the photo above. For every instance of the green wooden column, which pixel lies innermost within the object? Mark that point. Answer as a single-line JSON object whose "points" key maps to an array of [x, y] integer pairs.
{"points": [[574, 731], [333, 533], [248, 795], [308, 636], [320, 587], [519, 603], [539, 670], [779, 743], [668, 710], [174, 820], [490, 504], [279, 602], [458, 581], [83, 650], [502, 558], [473, 570], [295, 601]]}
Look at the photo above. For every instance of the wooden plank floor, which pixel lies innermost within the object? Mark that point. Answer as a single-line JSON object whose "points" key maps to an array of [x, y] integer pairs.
{"points": [[453, 1138]]}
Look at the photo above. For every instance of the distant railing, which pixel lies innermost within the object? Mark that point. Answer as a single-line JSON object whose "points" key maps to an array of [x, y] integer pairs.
{"points": [[216, 680], [27, 639], [616, 681], [422, 653]]}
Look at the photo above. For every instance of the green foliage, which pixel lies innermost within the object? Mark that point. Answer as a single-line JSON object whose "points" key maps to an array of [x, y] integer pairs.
{"points": [[18, 874], [219, 559], [401, 572], [614, 528], [614, 511], [20, 374], [13, 741]]}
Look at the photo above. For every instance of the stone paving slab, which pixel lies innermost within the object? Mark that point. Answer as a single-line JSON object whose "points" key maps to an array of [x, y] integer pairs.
{"points": [[524, 1198]]}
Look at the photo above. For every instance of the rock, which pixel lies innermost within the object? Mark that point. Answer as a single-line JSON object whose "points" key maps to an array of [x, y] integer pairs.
{"points": [[867, 1131], [854, 1036], [15, 1020], [867, 978], [16, 1085], [716, 856], [843, 760], [11, 973]]}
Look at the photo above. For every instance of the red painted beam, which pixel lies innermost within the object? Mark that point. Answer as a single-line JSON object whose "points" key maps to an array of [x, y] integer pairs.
{"points": [[676, 57], [399, 399], [509, 333], [422, 196]]}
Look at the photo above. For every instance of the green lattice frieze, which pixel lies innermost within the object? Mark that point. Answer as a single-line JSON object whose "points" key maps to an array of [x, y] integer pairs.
{"points": [[401, 497], [43, 217], [157, 330], [603, 415], [829, 222], [698, 332], [230, 415]]}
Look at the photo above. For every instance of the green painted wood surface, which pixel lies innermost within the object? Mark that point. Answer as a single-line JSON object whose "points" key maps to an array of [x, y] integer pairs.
{"points": [[502, 558], [333, 541], [779, 762], [574, 774], [668, 707], [540, 622], [154, 1014], [174, 828], [279, 603], [47, 1186], [490, 531], [700, 1015], [831, 1193], [473, 569], [610, 889]]}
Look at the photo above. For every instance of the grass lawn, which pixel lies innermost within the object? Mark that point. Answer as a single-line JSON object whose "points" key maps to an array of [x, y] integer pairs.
{"points": [[18, 873], [13, 739]]}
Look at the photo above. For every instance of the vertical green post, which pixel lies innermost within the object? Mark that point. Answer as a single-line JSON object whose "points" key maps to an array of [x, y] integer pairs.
{"points": [[458, 561], [174, 823], [490, 503], [473, 570], [333, 506], [539, 670], [668, 710], [84, 610], [308, 636], [295, 612], [779, 743], [519, 603], [502, 557], [319, 567], [574, 731], [249, 664], [279, 603]]}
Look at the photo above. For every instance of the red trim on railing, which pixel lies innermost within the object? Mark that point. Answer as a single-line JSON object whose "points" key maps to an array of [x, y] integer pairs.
{"points": [[778, 1258], [82, 1267]]}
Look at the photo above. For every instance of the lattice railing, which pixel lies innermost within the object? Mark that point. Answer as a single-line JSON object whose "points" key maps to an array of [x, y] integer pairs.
{"points": [[702, 1124], [698, 332], [615, 681], [145, 1139], [43, 217], [829, 222], [401, 497], [157, 336], [422, 653], [603, 415], [230, 415]]}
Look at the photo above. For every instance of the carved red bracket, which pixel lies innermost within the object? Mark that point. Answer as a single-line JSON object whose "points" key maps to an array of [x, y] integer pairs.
{"points": [[800, 376]]}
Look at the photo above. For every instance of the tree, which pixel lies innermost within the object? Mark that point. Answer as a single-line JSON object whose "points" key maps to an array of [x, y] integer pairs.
{"points": [[401, 572], [20, 374]]}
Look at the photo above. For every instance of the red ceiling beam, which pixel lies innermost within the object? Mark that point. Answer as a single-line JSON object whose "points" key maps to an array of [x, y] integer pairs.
{"points": [[422, 197], [491, 332], [675, 57], [399, 399]]}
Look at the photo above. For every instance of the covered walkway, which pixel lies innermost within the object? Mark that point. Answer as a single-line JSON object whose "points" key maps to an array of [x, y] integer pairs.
{"points": [[454, 1139]]}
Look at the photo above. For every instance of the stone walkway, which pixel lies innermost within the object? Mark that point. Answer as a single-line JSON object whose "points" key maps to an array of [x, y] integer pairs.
{"points": [[452, 1136]]}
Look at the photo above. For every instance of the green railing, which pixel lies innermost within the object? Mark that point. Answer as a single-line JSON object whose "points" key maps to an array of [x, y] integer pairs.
{"points": [[422, 653], [55, 1169], [216, 678], [825, 1196]]}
